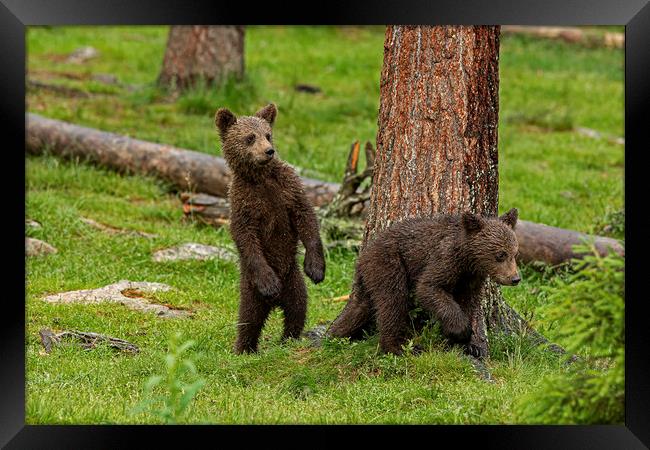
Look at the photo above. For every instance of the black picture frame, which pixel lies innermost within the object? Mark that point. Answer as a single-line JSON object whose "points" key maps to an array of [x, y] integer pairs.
{"points": [[15, 15]]}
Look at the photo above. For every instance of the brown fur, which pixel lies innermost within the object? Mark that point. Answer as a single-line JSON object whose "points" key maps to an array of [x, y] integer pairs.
{"points": [[445, 261], [269, 214]]}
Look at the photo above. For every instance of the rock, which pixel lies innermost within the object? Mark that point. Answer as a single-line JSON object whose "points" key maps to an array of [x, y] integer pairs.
{"points": [[481, 369], [195, 251], [316, 334], [32, 224], [82, 55], [36, 247], [131, 294]]}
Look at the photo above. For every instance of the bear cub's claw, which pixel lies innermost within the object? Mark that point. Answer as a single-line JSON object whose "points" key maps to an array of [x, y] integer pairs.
{"points": [[417, 350], [269, 284], [314, 268], [475, 351]]}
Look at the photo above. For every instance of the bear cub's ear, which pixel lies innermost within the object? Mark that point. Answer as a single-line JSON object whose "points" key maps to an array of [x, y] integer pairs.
{"points": [[510, 218], [268, 113], [224, 119], [472, 222]]}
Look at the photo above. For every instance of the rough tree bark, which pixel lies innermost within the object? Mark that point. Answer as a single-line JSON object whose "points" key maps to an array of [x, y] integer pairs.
{"points": [[437, 137], [202, 53]]}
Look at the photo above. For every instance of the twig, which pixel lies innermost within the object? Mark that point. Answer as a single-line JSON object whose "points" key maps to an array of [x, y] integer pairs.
{"points": [[114, 230], [88, 340], [71, 92], [343, 298]]}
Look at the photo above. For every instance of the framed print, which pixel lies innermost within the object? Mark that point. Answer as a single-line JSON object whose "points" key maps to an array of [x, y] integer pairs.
{"points": [[367, 214]]}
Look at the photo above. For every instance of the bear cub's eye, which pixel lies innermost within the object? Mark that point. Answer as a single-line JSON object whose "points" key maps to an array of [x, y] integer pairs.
{"points": [[268, 137], [502, 256], [250, 139]]}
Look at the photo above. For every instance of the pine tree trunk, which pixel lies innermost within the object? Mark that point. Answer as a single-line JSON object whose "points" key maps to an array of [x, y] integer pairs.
{"points": [[437, 136], [437, 127], [202, 53]]}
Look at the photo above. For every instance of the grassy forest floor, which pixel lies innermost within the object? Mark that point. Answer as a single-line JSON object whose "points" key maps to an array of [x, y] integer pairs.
{"points": [[550, 172]]}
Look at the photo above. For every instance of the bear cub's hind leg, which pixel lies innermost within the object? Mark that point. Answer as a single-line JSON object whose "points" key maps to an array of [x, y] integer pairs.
{"points": [[253, 312], [390, 300], [392, 321], [356, 317], [294, 305]]}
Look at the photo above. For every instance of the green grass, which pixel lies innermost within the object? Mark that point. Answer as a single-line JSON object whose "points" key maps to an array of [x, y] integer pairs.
{"points": [[549, 172]]}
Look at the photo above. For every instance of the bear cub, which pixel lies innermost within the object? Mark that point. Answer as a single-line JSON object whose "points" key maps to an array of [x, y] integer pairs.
{"points": [[445, 261], [269, 214]]}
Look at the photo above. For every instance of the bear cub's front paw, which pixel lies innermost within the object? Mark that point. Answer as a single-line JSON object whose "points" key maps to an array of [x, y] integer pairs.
{"points": [[268, 283], [314, 267], [476, 351]]}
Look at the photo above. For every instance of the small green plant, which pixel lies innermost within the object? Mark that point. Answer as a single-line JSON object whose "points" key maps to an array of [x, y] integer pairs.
{"points": [[588, 308], [172, 405], [302, 384], [612, 224]]}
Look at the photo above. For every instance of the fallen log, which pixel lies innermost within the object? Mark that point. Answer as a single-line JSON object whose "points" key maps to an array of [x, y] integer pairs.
{"points": [[186, 169], [537, 242], [199, 172], [208, 209], [554, 246], [568, 34]]}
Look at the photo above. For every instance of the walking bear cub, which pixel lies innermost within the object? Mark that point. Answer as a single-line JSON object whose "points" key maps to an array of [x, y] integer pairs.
{"points": [[445, 261], [269, 214]]}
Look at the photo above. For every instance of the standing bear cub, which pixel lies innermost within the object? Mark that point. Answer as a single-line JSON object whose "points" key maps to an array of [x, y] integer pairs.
{"points": [[445, 261], [269, 214]]}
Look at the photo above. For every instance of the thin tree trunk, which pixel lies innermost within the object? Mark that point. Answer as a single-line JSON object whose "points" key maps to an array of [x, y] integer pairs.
{"points": [[202, 53], [437, 135]]}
